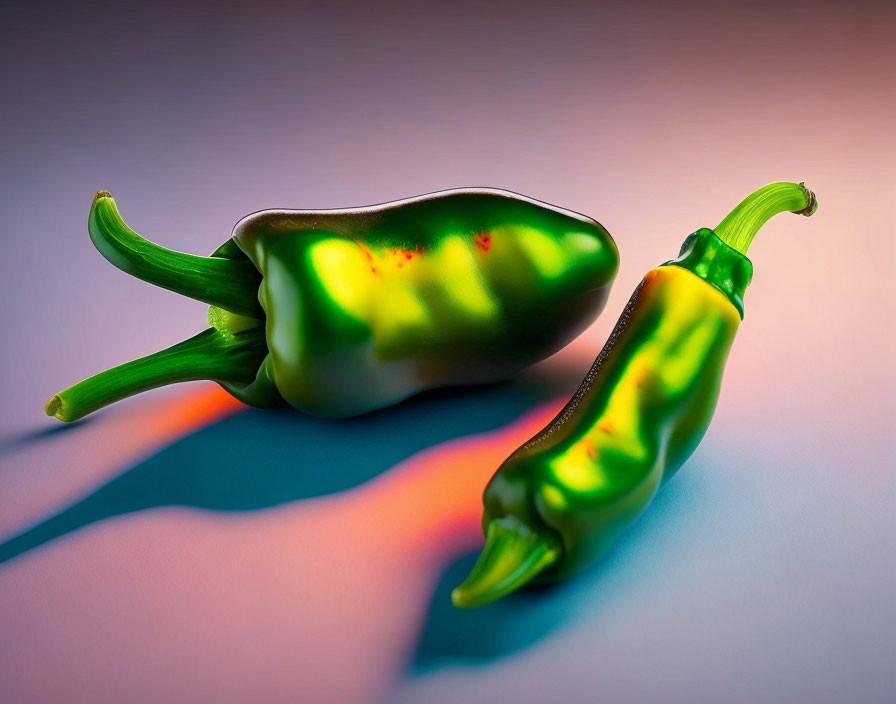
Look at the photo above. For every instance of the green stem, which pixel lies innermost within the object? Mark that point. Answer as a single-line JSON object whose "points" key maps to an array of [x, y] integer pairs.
{"points": [[209, 355], [739, 228], [231, 284]]}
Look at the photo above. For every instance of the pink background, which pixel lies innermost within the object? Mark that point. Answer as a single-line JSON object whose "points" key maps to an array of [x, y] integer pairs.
{"points": [[764, 571]]}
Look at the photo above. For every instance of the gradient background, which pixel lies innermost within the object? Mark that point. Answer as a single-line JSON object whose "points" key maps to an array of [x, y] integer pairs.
{"points": [[189, 550]]}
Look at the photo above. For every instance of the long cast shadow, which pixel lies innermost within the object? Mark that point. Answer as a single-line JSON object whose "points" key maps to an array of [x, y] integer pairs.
{"points": [[258, 459]]}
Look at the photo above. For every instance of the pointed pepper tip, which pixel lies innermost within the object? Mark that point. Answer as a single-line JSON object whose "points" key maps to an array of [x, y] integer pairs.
{"points": [[513, 555]]}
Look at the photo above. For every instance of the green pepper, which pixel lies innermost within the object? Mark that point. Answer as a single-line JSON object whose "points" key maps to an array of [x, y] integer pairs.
{"points": [[561, 501], [341, 312]]}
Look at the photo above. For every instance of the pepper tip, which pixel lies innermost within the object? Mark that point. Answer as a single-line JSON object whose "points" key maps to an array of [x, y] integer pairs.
{"points": [[101, 194], [513, 556], [460, 598]]}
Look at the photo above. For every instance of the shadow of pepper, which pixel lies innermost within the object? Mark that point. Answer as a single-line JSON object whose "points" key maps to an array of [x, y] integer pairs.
{"points": [[259, 459], [34, 436], [453, 636]]}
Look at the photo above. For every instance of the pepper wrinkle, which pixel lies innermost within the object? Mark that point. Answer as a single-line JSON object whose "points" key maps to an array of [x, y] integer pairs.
{"points": [[566, 496], [333, 312]]}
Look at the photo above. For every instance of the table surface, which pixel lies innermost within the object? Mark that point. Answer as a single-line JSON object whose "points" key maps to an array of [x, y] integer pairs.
{"points": [[179, 547]]}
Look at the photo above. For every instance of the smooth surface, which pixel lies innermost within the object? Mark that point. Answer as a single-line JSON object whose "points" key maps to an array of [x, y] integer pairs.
{"points": [[275, 558], [366, 307], [645, 404]]}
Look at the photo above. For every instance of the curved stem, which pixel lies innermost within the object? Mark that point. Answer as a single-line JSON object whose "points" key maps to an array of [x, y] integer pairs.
{"points": [[740, 226], [209, 355], [231, 284]]}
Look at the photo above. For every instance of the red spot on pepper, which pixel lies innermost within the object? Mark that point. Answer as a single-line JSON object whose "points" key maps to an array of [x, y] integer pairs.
{"points": [[590, 449], [367, 252], [403, 255], [483, 240], [607, 427]]}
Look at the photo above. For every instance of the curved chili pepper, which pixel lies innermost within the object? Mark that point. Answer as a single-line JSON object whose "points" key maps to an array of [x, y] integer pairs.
{"points": [[560, 501], [340, 312]]}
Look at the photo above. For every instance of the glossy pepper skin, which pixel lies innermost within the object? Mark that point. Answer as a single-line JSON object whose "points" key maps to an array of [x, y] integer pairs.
{"points": [[341, 312], [564, 498]]}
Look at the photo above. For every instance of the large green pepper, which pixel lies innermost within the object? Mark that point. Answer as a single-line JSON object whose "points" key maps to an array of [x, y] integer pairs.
{"points": [[561, 501], [340, 312]]}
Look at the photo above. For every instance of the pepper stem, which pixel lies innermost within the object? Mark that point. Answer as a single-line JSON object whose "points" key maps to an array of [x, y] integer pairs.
{"points": [[513, 556], [740, 226], [231, 284], [211, 354]]}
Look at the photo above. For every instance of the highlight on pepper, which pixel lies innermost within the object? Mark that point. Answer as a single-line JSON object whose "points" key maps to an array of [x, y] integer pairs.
{"points": [[341, 312], [561, 501]]}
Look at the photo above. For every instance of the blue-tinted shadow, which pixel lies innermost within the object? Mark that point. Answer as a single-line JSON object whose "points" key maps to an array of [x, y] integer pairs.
{"points": [[453, 636], [257, 459], [32, 437]]}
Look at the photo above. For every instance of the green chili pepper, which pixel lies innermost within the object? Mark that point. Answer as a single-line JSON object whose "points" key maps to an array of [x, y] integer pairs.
{"points": [[560, 501], [340, 312]]}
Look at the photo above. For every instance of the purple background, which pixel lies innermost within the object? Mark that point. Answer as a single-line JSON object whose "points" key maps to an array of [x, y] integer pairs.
{"points": [[764, 572]]}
